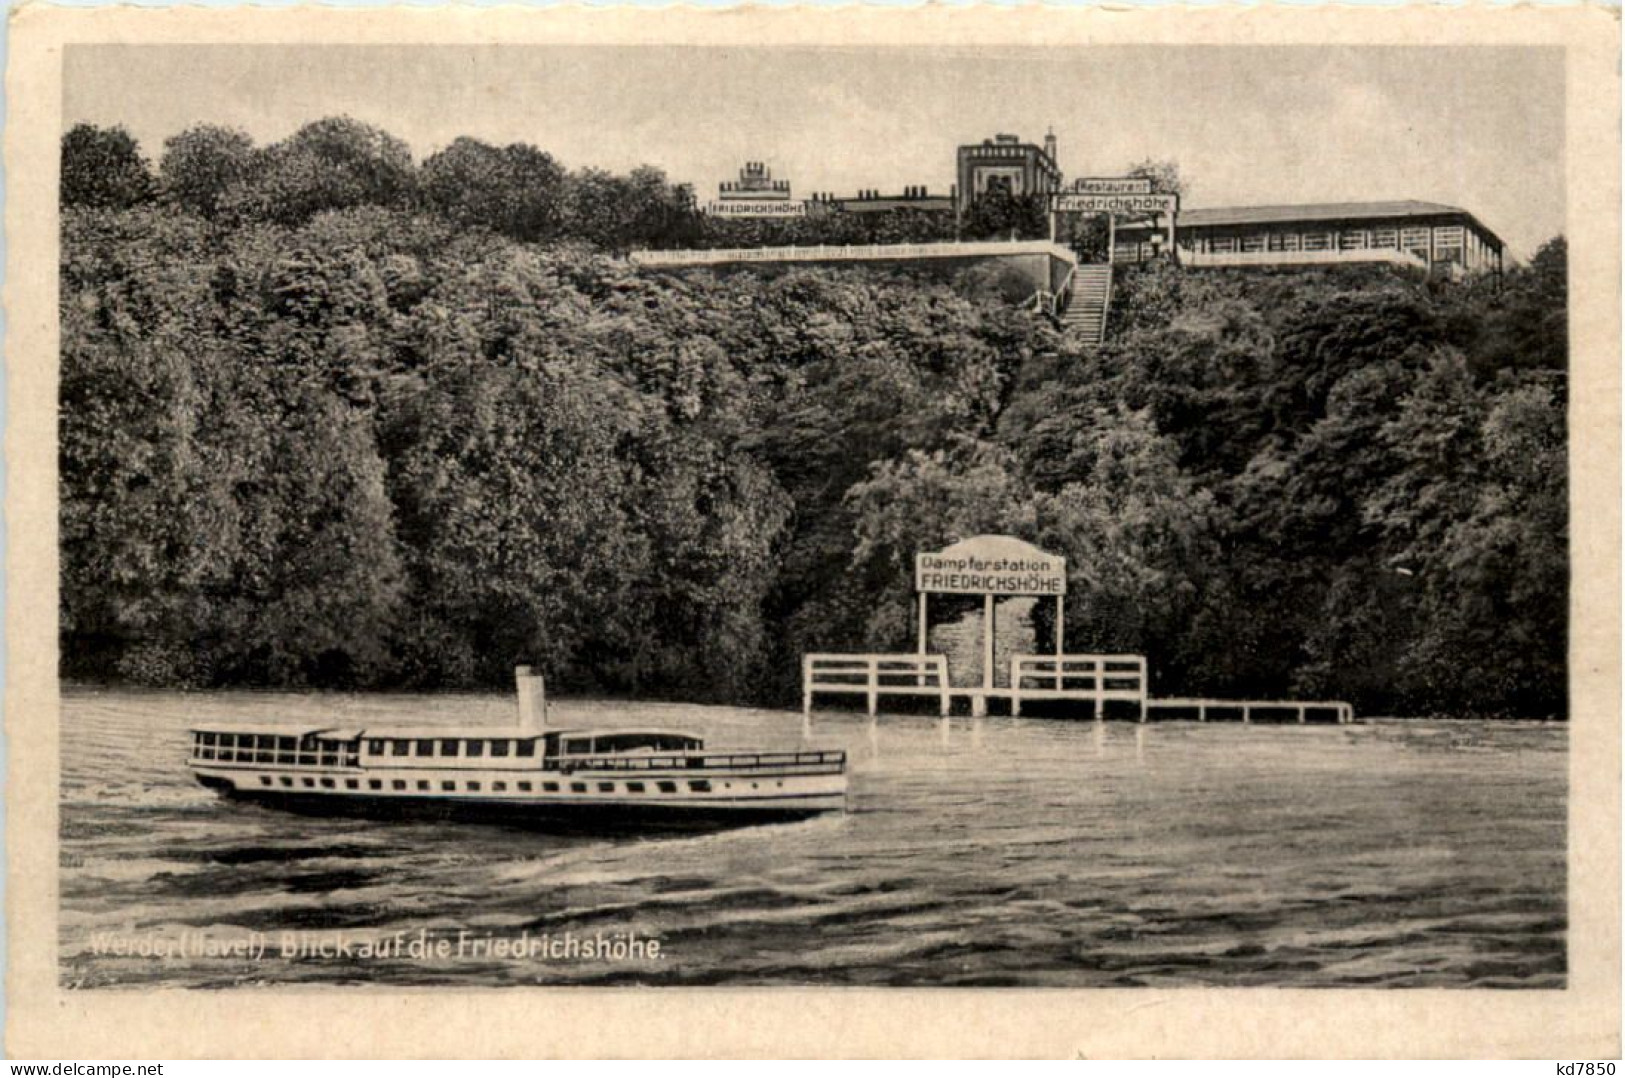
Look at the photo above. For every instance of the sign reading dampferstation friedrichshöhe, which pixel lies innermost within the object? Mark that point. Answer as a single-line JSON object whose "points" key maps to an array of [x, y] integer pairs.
{"points": [[990, 565]]}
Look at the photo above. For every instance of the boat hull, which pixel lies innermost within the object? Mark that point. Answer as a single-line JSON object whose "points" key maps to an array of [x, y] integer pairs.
{"points": [[814, 796]]}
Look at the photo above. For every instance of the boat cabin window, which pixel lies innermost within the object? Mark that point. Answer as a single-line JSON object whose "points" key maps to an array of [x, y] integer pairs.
{"points": [[375, 745], [400, 748], [476, 748], [499, 747], [525, 747], [426, 747], [630, 741], [636, 741], [448, 746]]}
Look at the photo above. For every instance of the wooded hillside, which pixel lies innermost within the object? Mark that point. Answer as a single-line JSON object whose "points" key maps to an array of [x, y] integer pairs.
{"points": [[330, 417]]}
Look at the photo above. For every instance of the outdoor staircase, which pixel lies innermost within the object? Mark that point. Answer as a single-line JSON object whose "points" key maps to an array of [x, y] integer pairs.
{"points": [[1084, 318]]}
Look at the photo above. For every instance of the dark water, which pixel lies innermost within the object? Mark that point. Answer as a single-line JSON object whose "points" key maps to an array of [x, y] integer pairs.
{"points": [[999, 852]]}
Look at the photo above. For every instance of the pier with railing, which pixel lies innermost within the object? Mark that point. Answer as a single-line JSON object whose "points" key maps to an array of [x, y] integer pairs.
{"points": [[1081, 686], [1087, 685]]}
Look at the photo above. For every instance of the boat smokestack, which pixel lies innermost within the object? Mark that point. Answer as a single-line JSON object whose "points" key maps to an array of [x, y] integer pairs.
{"points": [[532, 699]]}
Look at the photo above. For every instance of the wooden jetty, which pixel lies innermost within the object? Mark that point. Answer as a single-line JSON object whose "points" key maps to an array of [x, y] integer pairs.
{"points": [[1001, 566], [1092, 680]]}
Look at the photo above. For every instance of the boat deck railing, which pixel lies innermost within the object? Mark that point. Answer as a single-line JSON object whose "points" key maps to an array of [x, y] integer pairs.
{"points": [[274, 757], [742, 761], [745, 761]]}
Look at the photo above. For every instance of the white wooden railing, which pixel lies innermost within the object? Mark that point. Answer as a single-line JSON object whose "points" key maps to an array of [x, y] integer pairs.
{"points": [[1301, 708], [874, 676], [853, 252], [1106, 303], [1095, 678], [1054, 303], [1078, 677], [1300, 258]]}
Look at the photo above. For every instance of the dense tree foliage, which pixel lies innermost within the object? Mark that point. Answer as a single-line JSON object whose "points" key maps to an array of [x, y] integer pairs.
{"points": [[204, 165], [330, 418], [103, 167], [515, 190], [1314, 471], [375, 449]]}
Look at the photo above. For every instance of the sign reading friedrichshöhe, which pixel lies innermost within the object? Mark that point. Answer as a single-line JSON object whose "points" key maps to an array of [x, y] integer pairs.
{"points": [[742, 207], [1113, 185], [1081, 203], [991, 565]]}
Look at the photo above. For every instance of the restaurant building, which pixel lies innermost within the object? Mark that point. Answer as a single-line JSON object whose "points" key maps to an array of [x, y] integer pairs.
{"points": [[1424, 235], [1428, 236]]}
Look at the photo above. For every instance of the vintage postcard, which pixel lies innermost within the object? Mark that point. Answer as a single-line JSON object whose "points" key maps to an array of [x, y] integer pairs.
{"points": [[1025, 532]]}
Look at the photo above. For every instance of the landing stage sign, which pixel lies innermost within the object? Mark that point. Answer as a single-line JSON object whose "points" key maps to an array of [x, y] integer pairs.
{"points": [[990, 565]]}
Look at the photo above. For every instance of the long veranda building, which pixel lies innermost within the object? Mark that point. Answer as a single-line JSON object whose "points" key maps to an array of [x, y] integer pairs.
{"points": [[1424, 235]]}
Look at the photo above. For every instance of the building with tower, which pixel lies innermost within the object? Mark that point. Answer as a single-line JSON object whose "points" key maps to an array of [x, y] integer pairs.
{"points": [[1005, 163]]}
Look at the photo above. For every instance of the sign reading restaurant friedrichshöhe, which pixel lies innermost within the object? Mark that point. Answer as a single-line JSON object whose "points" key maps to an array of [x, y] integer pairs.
{"points": [[748, 208], [1084, 203], [990, 565], [1113, 185]]}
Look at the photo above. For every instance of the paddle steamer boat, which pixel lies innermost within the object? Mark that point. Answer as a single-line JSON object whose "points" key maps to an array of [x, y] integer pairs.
{"points": [[525, 773]]}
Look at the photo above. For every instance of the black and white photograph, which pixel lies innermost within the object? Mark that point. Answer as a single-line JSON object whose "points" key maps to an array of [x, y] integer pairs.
{"points": [[872, 515]]}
